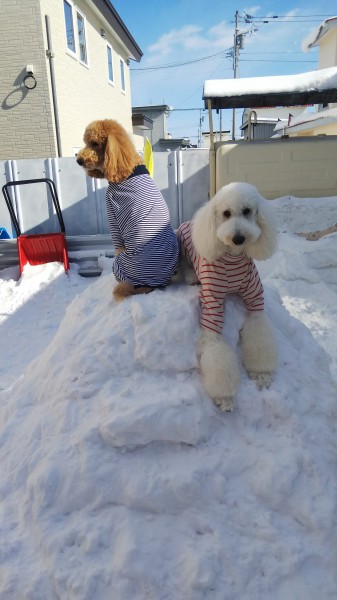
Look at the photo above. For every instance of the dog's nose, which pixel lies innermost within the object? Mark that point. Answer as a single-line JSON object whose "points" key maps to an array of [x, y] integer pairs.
{"points": [[238, 239], [80, 161]]}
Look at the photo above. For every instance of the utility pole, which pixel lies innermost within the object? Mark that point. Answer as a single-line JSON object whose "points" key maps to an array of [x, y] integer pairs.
{"points": [[235, 64]]}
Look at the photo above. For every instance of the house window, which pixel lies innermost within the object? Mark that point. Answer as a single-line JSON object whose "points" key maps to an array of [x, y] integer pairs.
{"points": [[81, 38], [70, 34], [121, 62], [110, 65], [75, 24]]}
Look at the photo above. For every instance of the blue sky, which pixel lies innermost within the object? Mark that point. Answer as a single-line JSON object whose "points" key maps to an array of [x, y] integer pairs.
{"points": [[203, 32]]}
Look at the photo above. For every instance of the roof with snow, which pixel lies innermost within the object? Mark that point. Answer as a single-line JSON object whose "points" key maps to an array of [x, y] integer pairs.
{"points": [[314, 38], [314, 87], [302, 122]]}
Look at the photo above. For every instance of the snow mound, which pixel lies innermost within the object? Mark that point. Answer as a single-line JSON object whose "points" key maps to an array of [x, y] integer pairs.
{"points": [[122, 480]]}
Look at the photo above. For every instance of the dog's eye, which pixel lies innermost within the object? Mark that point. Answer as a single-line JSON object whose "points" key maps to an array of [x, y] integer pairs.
{"points": [[227, 214], [246, 212], [95, 144]]}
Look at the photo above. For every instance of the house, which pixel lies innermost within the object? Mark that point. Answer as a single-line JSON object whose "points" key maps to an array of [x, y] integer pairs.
{"points": [[62, 65], [321, 122], [151, 121], [259, 123], [325, 37], [324, 120], [219, 136], [142, 127]]}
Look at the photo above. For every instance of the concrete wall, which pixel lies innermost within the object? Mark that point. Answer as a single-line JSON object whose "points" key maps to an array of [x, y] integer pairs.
{"points": [[302, 167]]}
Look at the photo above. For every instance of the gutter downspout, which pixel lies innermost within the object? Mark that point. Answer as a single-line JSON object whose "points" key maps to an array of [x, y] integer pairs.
{"points": [[50, 55]]}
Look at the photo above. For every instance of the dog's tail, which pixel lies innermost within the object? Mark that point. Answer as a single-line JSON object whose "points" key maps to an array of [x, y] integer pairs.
{"points": [[123, 289]]}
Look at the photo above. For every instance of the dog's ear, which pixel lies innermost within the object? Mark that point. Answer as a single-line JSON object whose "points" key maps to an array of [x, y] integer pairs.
{"points": [[204, 232], [116, 160], [266, 244]]}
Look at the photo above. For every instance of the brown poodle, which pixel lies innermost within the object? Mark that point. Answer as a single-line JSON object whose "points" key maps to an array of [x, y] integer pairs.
{"points": [[109, 152], [146, 247]]}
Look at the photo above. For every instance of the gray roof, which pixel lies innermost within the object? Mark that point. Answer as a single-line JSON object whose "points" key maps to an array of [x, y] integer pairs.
{"points": [[114, 20]]}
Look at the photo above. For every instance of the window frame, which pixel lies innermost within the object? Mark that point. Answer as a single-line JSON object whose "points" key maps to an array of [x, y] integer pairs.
{"points": [[76, 14], [84, 21], [110, 48], [122, 72], [69, 51]]}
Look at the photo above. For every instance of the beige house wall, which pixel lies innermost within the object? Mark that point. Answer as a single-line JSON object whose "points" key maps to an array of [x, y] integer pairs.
{"points": [[330, 129], [294, 166], [328, 50], [84, 93], [138, 140], [25, 115], [27, 118], [328, 56]]}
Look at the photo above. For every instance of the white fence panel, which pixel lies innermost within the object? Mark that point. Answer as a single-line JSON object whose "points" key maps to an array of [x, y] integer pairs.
{"points": [[193, 181], [82, 199], [182, 177]]}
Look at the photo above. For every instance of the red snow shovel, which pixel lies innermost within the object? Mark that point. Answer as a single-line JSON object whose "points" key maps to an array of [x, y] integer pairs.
{"points": [[38, 249]]}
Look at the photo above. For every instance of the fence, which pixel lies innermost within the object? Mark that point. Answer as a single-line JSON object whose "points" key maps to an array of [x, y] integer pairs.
{"points": [[299, 167], [182, 177]]}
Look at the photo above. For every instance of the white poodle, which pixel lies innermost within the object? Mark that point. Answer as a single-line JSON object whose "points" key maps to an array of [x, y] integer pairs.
{"points": [[224, 236]]}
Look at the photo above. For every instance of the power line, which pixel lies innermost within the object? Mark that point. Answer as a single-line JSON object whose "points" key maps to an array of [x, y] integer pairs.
{"points": [[246, 18], [277, 61], [280, 52], [183, 63], [283, 16], [228, 52], [183, 109], [285, 22]]}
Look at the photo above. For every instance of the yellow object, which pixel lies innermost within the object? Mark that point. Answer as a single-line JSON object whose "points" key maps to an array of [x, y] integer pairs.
{"points": [[148, 157]]}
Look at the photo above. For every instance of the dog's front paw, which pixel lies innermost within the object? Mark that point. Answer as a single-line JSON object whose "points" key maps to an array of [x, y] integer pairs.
{"points": [[225, 404], [262, 380]]}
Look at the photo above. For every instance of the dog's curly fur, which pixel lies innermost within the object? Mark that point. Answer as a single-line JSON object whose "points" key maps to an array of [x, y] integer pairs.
{"points": [[110, 154], [236, 220]]}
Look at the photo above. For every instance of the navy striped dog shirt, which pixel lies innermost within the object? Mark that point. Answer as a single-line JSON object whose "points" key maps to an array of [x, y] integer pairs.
{"points": [[139, 220]]}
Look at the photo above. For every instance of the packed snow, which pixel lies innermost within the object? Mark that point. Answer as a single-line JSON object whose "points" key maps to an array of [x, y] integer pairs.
{"points": [[320, 80], [120, 479]]}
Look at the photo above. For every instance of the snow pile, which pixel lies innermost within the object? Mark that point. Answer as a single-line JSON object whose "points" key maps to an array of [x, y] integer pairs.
{"points": [[119, 477], [320, 80], [302, 215]]}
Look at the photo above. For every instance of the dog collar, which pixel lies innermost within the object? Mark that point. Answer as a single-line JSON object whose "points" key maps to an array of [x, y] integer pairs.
{"points": [[139, 170]]}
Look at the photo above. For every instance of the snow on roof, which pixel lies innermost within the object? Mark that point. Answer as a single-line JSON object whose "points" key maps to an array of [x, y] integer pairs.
{"points": [[316, 35], [320, 80], [328, 116]]}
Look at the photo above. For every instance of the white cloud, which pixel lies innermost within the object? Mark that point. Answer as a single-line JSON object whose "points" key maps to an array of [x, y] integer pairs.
{"points": [[191, 38], [176, 37], [252, 10]]}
